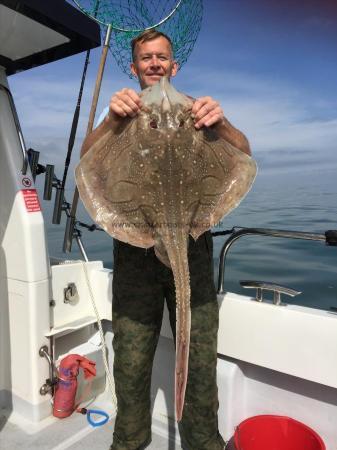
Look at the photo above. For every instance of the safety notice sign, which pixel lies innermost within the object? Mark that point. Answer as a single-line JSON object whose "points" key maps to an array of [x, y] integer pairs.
{"points": [[31, 200]]}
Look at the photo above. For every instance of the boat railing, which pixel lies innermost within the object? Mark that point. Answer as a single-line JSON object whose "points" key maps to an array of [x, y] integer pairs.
{"points": [[329, 238], [51, 181], [18, 128]]}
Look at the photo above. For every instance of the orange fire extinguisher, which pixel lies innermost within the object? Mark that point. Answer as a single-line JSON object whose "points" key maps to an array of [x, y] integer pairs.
{"points": [[65, 393]]}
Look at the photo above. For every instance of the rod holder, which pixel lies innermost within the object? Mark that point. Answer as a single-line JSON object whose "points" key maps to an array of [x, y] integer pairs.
{"points": [[69, 234], [33, 158], [48, 182], [58, 206]]}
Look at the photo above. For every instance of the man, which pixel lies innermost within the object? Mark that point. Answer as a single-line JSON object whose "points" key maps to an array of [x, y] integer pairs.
{"points": [[142, 283]]}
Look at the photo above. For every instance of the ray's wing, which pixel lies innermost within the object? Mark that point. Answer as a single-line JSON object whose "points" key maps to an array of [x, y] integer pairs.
{"points": [[111, 180], [156, 189], [226, 178]]}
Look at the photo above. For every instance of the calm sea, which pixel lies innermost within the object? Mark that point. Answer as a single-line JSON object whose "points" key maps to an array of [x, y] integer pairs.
{"points": [[289, 194]]}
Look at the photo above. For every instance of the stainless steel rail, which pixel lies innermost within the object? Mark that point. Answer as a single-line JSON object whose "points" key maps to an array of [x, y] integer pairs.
{"points": [[276, 289], [259, 232], [18, 128], [81, 247], [48, 386]]}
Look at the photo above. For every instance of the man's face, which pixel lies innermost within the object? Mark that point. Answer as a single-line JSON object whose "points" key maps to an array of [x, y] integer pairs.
{"points": [[153, 59]]}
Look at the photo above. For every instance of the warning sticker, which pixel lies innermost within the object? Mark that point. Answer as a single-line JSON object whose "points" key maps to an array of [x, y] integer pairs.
{"points": [[26, 182], [31, 200]]}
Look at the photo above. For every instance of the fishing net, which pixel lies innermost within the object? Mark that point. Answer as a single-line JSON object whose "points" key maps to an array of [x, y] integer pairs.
{"points": [[179, 19]]}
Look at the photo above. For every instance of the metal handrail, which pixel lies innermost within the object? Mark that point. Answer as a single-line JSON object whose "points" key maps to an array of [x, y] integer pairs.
{"points": [[18, 128], [260, 232]]}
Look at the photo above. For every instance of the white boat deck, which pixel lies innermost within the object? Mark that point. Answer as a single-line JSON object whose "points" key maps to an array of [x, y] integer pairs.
{"points": [[72, 433]]}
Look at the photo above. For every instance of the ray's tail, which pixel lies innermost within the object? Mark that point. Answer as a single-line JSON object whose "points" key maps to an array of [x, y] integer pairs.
{"points": [[177, 253]]}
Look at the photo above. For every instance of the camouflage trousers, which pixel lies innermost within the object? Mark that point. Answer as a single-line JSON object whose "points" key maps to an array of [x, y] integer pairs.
{"points": [[140, 287]]}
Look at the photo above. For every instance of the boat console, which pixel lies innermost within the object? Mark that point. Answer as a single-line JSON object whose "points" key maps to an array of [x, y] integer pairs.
{"points": [[32, 33]]}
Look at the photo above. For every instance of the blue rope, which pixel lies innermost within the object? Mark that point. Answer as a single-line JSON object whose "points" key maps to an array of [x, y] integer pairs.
{"points": [[99, 413]]}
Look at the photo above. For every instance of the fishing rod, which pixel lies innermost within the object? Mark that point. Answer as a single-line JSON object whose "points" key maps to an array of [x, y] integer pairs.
{"points": [[59, 205], [59, 197], [71, 220]]}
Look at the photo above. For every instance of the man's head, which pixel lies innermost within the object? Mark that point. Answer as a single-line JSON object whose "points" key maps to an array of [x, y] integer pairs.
{"points": [[152, 56]]}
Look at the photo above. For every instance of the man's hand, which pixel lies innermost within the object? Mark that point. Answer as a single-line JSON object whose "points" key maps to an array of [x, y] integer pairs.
{"points": [[125, 103], [206, 112]]}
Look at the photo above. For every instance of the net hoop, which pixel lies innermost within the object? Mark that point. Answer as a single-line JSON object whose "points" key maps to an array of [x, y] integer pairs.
{"points": [[121, 21], [128, 30]]}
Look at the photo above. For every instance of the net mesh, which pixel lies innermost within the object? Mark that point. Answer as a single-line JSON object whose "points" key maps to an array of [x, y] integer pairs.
{"points": [[178, 19]]}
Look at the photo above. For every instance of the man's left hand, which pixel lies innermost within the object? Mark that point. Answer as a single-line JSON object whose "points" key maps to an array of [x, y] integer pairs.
{"points": [[206, 112]]}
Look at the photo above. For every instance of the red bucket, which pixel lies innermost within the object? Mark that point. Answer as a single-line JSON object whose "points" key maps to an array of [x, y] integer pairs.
{"points": [[268, 432]]}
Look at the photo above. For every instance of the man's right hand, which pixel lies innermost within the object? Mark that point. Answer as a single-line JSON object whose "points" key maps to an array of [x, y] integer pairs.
{"points": [[124, 103]]}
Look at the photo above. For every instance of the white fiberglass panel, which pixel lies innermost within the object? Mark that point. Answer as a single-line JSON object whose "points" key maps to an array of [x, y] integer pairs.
{"points": [[291, 339], [21, 36]]}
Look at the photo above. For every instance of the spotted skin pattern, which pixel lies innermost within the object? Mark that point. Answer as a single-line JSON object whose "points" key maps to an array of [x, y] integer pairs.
{"points": [[155, 181]]}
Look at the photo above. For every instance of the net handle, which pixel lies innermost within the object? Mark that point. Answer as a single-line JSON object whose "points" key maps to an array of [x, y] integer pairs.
{"points": [[125, 29], [69, 232]]}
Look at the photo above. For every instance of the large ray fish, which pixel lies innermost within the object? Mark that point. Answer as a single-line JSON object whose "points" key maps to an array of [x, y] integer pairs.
{"points": [[156, 180]]}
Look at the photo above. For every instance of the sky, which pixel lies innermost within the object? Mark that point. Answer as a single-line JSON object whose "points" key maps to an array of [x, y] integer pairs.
{"points": [[272, 66]]}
